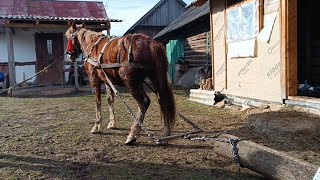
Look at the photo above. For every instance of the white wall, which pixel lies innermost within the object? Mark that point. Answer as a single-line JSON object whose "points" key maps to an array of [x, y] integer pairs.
{"points": [[24, 50]]}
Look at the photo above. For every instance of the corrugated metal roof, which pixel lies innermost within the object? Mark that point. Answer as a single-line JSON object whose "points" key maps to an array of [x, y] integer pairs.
{"points": [[192, 14], [161, 14], [53, 10]]}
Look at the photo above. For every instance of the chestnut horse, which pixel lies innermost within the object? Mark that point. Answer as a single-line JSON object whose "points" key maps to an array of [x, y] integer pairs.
{"points": [[131, 59]]}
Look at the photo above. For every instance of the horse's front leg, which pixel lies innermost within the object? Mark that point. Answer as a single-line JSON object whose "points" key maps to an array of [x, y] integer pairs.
{"points": [[110, 100], [97, 98]]}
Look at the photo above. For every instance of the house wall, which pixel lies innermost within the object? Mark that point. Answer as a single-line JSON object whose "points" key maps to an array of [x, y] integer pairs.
{"points": [[257, 77], [24, 50]]}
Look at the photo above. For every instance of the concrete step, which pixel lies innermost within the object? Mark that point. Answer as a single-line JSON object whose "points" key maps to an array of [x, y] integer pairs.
{"points": [[202, 96]]}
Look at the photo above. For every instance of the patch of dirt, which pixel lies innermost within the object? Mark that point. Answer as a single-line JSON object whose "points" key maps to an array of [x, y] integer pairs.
{"points": [[49, 138]]}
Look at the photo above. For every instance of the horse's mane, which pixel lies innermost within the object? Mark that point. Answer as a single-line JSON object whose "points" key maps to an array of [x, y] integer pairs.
{"points": [[86, 36]]}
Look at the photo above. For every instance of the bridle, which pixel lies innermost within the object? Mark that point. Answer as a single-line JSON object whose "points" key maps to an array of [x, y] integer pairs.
{"points": [[73, 45]]}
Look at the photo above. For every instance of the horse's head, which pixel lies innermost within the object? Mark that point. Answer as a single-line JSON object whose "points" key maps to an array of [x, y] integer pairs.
{"points": [[73, 45]]}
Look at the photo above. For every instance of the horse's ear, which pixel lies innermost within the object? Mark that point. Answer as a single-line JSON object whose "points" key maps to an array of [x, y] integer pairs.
{"points": [[74, 25], [82, 25]]}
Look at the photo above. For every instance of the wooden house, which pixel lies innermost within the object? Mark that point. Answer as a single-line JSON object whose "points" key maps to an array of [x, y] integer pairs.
{"points": [[157, 18], [186, 43], [32, 35], [265, 50]]}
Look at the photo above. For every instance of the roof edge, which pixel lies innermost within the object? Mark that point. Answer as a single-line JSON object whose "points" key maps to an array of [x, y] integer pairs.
{"points": [[149, 12]]}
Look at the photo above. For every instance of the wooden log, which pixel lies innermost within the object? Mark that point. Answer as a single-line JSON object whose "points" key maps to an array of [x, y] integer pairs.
{"points": [[199, 41], [196, 37], [198, 61], [194, 50], [195, 56], [196, 46], [265, 161]]}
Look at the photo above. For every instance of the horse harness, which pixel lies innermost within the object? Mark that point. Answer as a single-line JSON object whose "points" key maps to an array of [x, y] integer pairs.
{"points": [[97, 62]]}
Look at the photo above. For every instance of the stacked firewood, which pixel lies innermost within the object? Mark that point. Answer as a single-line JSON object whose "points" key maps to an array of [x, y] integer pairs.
{"points": [[206, 84]]}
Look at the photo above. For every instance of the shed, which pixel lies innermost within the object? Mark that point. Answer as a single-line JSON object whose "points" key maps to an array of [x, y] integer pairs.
{"points": [[32, 35], [183, 41], [266, 50], [157, 18]]}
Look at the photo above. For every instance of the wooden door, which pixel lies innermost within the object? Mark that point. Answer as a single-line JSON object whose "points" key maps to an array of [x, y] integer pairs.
{"points": [[49, 48]]}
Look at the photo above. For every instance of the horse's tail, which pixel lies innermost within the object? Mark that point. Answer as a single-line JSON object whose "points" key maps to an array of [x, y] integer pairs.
{"points": [[161, 84]]}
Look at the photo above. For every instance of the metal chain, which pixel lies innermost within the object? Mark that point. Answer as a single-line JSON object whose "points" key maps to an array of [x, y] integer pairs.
{"points": [[235, 152], [135, 119], [232, 142]]}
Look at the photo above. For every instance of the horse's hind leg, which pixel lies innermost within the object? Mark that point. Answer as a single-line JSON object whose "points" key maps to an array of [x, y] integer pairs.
{"points": [[97, 98], [143, 101], [110, 100]]}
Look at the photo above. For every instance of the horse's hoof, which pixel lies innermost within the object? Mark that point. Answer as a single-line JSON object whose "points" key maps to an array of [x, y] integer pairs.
{"points": [[95, 130], [111, 126], [162, 143], [98, 132], [130, 141]]}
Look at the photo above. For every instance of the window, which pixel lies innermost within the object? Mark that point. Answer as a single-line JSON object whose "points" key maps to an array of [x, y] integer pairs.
{"points": [[242, 29], [49, 47], [242, 22]]}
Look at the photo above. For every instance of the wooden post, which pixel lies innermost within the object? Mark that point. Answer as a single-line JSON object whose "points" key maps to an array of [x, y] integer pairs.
{"points": [[11, 61], [212, 43], [265, 161], [292, 73], [75, 73], [284, 48], [226, 46]]}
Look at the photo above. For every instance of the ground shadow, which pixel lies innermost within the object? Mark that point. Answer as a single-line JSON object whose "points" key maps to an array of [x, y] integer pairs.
{"points": [[107, 169]]}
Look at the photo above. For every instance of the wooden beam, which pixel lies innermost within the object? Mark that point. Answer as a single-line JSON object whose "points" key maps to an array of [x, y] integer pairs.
{"points": [[212, 43], [30, 63], [261, 14], [293, 47], [11, 61], [284, 48], [225, 45], [265, 161]]}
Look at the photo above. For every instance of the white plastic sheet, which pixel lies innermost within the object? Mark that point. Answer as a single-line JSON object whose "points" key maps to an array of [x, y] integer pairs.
{"points": [[242, 22]]}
